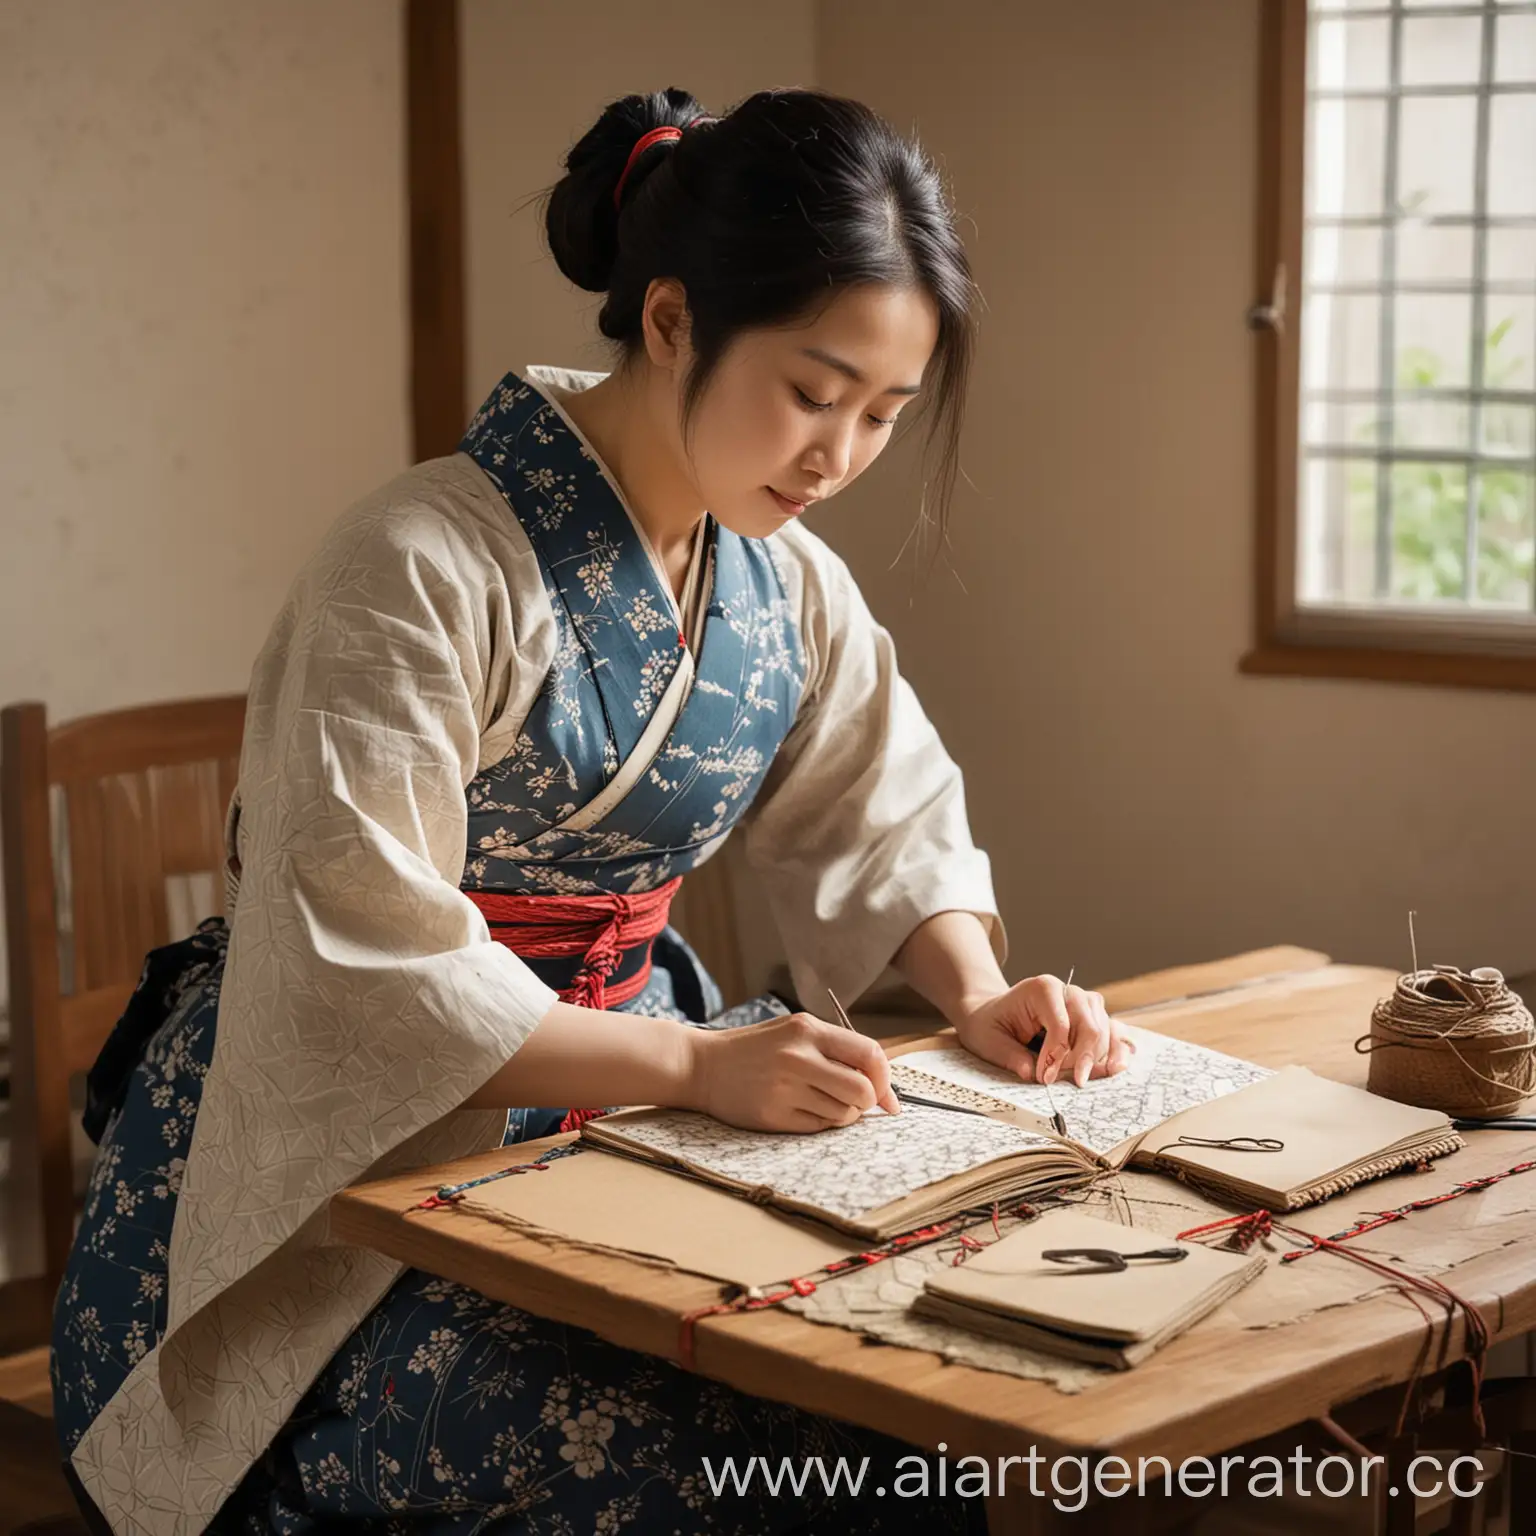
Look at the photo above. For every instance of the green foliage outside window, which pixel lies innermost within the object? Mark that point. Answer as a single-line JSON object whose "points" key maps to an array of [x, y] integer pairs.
{"points": [[1429, 501]]}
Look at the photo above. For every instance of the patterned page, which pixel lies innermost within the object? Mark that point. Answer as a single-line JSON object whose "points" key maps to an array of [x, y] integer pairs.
{"points": [[848, 1171], [1164, 1077]]}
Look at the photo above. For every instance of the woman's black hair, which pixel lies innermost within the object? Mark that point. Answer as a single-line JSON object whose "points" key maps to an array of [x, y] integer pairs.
{"points": [[762, 215]]}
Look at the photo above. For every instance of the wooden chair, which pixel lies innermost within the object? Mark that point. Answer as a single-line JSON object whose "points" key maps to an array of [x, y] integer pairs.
{"points": [[142, 795]]}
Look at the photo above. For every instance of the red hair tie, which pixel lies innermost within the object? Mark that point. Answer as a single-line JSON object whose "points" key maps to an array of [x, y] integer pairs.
{"points": [[655, 136]]}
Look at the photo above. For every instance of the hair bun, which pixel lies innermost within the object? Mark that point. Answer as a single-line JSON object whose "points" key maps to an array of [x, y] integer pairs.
{"points": [[580, 220]]}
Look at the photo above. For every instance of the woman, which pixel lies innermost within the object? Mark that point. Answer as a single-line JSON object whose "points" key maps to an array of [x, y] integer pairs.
{"points": [[538, 681]]}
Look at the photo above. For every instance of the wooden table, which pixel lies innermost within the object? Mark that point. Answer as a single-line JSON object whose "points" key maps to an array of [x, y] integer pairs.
{"points": [[1208, 1391]]}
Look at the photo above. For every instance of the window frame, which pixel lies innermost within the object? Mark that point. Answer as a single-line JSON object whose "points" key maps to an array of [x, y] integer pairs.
{"points": [[1397, 643]]}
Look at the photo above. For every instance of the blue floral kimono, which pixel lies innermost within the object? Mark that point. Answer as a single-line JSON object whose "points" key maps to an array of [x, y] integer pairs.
{"points": [[447, 1412]]}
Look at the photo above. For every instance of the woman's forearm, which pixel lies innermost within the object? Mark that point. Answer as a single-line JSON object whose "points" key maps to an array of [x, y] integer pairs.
{"points": [[949, 960], [581, 1058]]}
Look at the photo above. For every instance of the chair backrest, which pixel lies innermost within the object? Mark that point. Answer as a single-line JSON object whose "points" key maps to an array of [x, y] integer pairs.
{"points": [[143, 794]]}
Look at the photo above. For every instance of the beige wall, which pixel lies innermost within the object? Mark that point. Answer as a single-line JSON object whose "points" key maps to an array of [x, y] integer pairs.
{"points": [[201, 280], [202, 306], [1142, 802]]}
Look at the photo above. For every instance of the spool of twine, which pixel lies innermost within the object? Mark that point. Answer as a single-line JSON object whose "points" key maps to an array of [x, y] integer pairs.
{"points": [[1453, 1040]]}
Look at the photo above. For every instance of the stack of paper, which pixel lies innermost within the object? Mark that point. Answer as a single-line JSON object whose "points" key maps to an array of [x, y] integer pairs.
{"points": [[1008, 1291]]}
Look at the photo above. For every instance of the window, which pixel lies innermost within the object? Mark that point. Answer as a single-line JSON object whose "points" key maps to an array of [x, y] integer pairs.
{"points": [[1398, 407]]}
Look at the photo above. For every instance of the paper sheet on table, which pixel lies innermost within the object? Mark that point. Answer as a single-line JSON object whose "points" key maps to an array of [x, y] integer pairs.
{"points": [[619, 1204]]}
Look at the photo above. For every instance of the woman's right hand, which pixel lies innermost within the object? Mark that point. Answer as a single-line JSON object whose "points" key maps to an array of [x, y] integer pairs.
{"points": [[795, 1073]]}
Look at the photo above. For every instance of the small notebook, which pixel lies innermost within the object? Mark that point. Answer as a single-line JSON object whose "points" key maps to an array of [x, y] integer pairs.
{"points": [[881, 1175], [1008, 1291], [1176, 1094]]}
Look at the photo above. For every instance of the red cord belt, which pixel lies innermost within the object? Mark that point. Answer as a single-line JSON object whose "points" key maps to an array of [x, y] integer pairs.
{"points": [[599, 929]]}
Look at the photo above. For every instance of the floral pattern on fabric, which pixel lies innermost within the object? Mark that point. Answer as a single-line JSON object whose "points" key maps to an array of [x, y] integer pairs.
{"points": [[617, 650], [446, 1412]]}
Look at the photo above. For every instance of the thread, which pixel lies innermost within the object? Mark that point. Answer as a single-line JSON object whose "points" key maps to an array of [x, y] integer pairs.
{"points": [[1402, 1212], [755, 1298], [1452, 1040], [1241, 1232]]}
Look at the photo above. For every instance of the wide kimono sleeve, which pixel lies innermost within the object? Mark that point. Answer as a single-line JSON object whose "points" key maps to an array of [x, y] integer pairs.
{"points": [[362, 998], [859, 833]]}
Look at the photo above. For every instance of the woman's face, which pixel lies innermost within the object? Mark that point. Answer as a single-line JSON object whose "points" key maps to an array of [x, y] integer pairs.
{"points": [[794, 415]]}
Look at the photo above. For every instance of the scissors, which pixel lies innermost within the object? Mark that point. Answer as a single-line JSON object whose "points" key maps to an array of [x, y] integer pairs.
{"points": [[1230, 1143], [1108, 1261]]}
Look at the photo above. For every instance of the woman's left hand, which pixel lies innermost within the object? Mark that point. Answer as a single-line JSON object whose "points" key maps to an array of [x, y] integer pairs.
{"points": [[1081, 1041]]}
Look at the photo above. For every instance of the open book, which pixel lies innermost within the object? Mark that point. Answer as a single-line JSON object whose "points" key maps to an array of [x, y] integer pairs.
{"points": [[1175, 1098], [881, 1175], [1084, 1310], [886, 1174]]}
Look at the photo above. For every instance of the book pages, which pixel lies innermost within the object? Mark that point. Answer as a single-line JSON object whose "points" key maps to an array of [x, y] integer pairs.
{"points": [[847, 1171], [1330, 1137], [1165, 1076]]}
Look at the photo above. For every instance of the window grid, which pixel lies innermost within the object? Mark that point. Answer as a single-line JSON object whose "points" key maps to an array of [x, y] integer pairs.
{"points": [[1389, 93], [1426, 285], [1444, 220], [1467, 8], [1386, 356], [1463, 456], [1345, 394], [1386, 395], [1475, 373]]}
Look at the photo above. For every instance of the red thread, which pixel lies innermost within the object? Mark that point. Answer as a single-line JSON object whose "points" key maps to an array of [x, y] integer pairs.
{"points": [[1476, 1329], [1245, 1231], [1247, 1228], [804, 1285], [968, 1246], [919, 1235], [1399, 1213], [686, 1333]]}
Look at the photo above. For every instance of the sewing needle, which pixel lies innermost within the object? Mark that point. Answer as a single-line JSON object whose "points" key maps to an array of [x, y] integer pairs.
{"points": [[1057, 1118], [901, 1093], [842, 1013]]}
